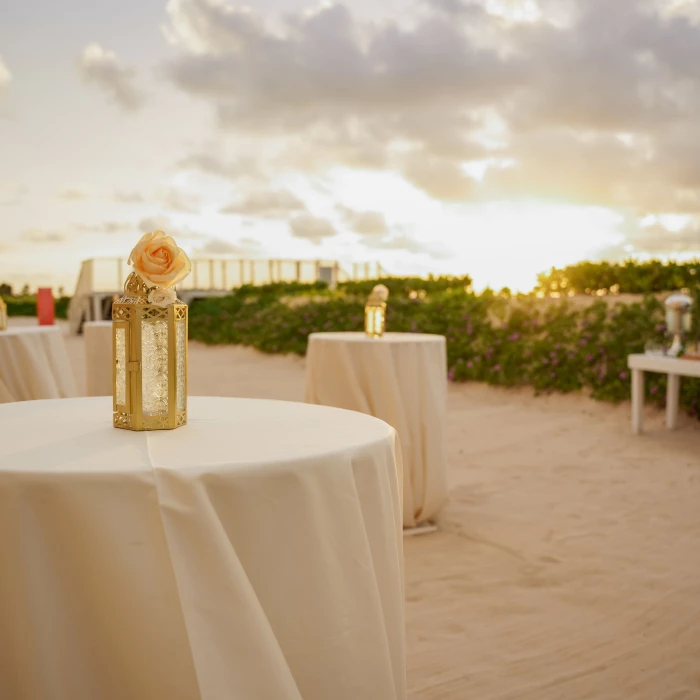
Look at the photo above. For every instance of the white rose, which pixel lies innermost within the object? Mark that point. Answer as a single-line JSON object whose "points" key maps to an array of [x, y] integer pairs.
{"points": [[162, 296], [380, 292]]}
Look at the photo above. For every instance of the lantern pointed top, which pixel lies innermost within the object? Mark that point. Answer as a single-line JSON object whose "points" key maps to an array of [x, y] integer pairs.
{"points": [[135, 286]]}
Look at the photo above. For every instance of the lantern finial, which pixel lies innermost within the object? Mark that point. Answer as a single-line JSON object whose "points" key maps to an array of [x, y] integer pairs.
{"points": [[135, 286]]}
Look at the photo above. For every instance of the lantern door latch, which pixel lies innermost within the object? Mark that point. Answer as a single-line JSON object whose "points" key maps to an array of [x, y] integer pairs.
{"points": [[133, 366]]}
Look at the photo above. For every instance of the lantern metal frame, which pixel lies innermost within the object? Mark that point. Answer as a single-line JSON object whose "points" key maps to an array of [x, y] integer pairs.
{"points": [[128, 315], [375, 318]]}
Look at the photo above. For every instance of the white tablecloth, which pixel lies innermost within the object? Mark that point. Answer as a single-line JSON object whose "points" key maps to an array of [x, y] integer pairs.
{"points": [[97, 337], [34, 364], [254, 554], [402, 379]]}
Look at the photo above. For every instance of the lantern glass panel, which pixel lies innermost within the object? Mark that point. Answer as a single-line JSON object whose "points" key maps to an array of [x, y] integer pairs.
{"points": [[120, 363], [375, 319], [154, 366], [181, 362]]}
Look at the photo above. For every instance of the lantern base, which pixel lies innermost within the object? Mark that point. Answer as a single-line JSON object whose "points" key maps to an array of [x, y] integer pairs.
{"points": [[129, 422]]}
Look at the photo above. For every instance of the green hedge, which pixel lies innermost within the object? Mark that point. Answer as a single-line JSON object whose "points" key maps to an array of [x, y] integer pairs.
{"points": [[409, 286], [555, 346], [629, 277], [26, 306]]}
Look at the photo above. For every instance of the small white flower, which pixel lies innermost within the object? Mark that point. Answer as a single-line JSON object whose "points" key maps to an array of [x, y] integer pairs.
{"points": [[162, 296]]}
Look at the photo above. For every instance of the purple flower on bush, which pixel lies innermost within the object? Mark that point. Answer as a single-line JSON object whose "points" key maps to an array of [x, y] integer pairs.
{"points": [[589, 357], [552, 354], [654, 389], [623, 375], [582, 342], [555, 363], [661, 327], [571, 355], [497, 368], [451, 374], [554, 374], [514, 336], [470, 364], [545, 361]]}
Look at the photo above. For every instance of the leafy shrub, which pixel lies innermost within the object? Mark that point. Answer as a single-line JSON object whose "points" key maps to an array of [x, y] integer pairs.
{"points": [[552, 347], [26, 306], [629, 277]]}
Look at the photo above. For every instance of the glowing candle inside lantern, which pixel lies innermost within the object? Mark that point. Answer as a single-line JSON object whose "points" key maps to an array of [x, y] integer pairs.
{"points": [[375, 312]]}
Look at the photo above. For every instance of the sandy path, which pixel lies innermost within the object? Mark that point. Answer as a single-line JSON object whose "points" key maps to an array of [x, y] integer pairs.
{"points": [[568, 565]]}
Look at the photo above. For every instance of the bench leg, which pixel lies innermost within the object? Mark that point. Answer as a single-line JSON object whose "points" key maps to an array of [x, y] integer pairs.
{"points": [[637, 400], [672, 392]]}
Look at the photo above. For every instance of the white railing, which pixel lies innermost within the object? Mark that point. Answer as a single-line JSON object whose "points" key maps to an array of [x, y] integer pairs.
{"points": [[106, 276]]}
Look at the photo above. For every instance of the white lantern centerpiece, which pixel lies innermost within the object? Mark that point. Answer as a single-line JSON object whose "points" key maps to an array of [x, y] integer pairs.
{"points": [[678, 320], [149, 334], [375, 312]]}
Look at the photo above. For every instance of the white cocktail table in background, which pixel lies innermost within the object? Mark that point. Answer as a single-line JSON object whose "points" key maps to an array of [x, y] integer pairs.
{"points": [[675, 368], [254, 553], [34, 364], [97, 336], [402, 379]]}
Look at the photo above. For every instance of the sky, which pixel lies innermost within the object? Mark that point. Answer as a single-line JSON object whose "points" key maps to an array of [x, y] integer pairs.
{"points": [[495, 138]]}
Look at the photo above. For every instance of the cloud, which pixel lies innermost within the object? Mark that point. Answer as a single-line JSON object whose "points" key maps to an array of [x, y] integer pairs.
{"points": [[266, 204], [104, 227], [404, 242], [368, 223], [41, 235], [443, 179], [128, 197], [658, 239], [242, 167], [73, 193], [357, 93], [178, 200], [311, 228], [11, 193], [172, 198], [219, 246], [163, 223], [5, 75], [579, 100], [102, 68]]}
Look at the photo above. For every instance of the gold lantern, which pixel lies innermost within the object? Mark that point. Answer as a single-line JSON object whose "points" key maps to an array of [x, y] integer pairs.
{"points": [[149, 336], [375, 312], [3, 315], [150, 360]]}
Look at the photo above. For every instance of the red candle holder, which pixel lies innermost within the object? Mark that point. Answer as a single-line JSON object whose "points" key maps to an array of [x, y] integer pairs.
{"points": [[45, 308]]}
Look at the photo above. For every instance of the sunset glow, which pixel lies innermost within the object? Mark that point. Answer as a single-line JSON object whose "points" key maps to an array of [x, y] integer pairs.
{"points": [[495, 138]]}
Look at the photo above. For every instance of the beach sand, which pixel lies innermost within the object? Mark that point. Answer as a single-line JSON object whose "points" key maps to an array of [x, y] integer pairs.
{"points": [[567, 565]]}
